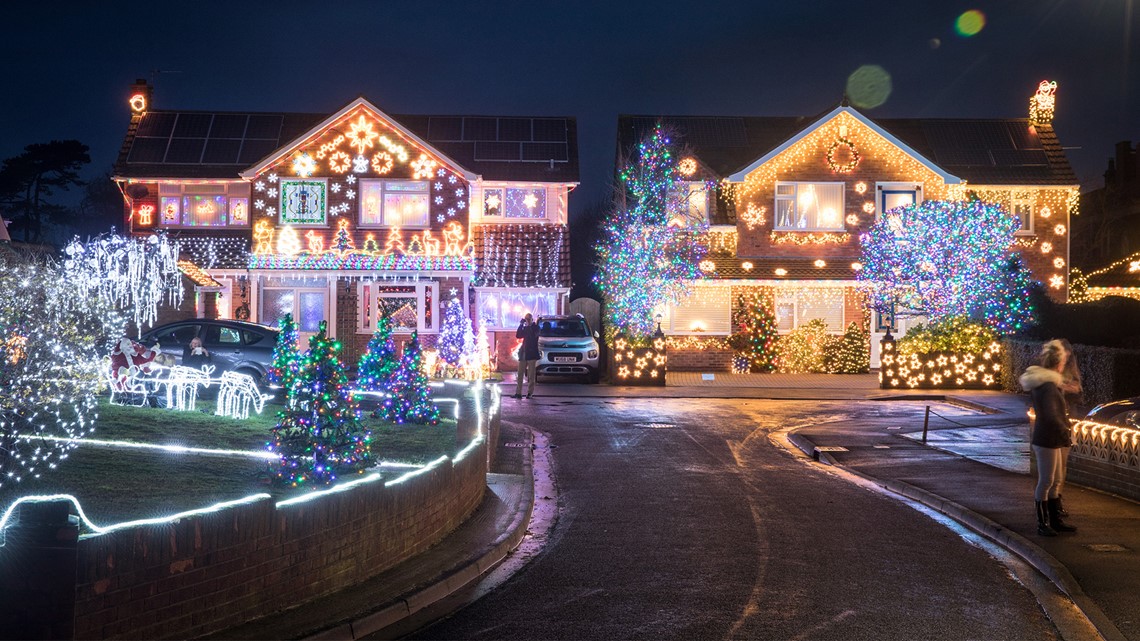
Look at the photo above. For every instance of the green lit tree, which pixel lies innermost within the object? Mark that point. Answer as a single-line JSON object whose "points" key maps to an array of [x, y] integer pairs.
{"points": [[410, 399], [283, 370], [803, 349], [319, 435], [379, 361]]}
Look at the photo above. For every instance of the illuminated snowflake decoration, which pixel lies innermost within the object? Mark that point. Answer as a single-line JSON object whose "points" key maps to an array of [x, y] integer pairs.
{"points": [[271, 178], [304, 165], [361, 134], [350, 179], [423, 167], [439, 186], [439, 218], [461, 204], [530, 201], [754, 216], [450, 179], [459, 192], [450, 211], [439, 200], [335, 187], [351, 194], [441, 172], [258, 204], [259, 186]]}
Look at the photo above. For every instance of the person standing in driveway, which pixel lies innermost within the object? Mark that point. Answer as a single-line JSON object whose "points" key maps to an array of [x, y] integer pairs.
{"points": [[528, 355], [1050, 437]]}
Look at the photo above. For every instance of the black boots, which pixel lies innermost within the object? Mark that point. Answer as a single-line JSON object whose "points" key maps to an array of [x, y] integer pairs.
{"points": [[1055, 521], [1061, 507], [1043, 528]]}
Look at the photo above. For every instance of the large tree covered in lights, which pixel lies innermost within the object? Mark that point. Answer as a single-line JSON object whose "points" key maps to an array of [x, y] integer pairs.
{"points": [[947, 259], [644, 261], [379, 361], [319, 435], [456, 341]]}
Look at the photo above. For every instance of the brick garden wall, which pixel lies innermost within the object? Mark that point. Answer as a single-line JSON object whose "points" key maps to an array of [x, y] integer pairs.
{"points": [[213, 571]]}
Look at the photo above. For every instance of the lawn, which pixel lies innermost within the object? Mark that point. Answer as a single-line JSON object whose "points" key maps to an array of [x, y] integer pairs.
{"points": [[115, 484]]}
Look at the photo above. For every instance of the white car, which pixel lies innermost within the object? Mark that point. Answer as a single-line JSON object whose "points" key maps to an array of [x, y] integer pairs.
{"points": [[567, 347]]}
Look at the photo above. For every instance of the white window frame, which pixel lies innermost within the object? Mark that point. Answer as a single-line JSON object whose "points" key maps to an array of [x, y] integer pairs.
{"points": [[230, 193], [794, 197], [794, 297], [297, 290], [384, 182], [483, 293], [1027, 201], [719, 318], [365, 322], [884, 188]]}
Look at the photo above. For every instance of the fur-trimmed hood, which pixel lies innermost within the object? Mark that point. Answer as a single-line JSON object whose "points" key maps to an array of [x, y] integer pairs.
{"points": [[1035, 376]]}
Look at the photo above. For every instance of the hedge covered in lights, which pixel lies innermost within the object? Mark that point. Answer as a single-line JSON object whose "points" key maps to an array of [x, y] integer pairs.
{"points": [[639, 364], [952, 354]]}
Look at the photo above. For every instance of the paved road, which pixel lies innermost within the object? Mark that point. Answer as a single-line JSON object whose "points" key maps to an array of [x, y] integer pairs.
{"points": [[682, 519]]}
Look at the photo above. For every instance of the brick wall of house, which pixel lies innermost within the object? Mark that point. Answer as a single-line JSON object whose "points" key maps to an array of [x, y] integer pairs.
{"points": [[700, 360], [216, 570]]}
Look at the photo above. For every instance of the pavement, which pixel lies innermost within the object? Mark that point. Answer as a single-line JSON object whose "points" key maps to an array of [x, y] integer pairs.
{"points": [[973, 467]]}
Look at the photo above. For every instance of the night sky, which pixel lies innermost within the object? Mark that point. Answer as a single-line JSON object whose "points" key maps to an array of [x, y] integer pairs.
{"points": [[68, 65]]}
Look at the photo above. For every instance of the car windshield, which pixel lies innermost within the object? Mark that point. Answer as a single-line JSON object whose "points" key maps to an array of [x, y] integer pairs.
{"points": [[562, 327]]}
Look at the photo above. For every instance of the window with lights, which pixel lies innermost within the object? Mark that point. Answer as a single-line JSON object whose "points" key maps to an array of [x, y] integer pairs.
{"points": [[707, 310], [802, 206], [409, 307], [395, 203], [206, 205], [794, 309], [1022, 209], [502, 308]]}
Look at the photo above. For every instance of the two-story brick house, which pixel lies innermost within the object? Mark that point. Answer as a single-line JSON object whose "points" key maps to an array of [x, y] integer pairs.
{"points": [[794, 194], [338, 216]]}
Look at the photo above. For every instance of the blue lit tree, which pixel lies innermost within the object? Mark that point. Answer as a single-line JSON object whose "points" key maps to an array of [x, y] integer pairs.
{"points": [[410, 399], [947, 259], [318, 435], [644, 261], [456, 342]]}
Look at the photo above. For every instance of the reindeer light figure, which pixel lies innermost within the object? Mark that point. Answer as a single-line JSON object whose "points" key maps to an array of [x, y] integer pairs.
{"points": [[182, 386], [238, 394]]}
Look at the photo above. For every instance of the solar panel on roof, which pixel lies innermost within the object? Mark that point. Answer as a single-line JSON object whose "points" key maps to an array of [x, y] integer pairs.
{"points": [[264, 126], [229, 126], [712, 132], [486, 150], [156, 124], [948, 157], [254, 150], [514, 129], [221, 151], [192, 125], [445, 128], [147, 150], [480, 129], [550, 129], [185, 150], [1020, 157], [544, 151]]}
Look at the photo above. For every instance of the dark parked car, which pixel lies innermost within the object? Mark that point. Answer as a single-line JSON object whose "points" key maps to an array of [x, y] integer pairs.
{"points": [[233, 345], [1125, 413]]}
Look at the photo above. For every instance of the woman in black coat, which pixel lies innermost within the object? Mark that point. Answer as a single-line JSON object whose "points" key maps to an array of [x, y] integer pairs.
{"points": [[1051, 435]]}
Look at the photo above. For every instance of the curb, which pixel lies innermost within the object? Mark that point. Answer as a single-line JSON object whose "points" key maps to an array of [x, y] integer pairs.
{"points": [[445, 585], [1031, 553]]}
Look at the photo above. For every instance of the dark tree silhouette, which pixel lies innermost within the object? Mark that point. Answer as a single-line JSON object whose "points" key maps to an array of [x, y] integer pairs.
{"points": [[28, 181]]}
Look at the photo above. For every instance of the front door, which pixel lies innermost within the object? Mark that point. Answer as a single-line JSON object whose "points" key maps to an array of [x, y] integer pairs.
{"points": [[308, 305]]}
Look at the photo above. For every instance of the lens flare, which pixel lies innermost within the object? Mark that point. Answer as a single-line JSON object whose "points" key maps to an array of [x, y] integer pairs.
{"points": [[868, 86], [970, 23]]}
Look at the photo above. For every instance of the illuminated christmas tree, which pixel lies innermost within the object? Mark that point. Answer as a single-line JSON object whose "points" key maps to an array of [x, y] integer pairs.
{"points": [[379, 361], [756, 337], [456, 342], [850, 354], [944, 259], [318, 435], [342, 242], [283, 370], [410, 400], [644, 261]]}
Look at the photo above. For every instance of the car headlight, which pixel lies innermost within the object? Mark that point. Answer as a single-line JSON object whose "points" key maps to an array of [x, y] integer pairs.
{"points": [[592, 353]]}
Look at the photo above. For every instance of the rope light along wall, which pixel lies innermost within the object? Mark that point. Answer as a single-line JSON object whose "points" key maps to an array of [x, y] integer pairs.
{"points": [[1115, 445], [940, 370], [640, 365]]}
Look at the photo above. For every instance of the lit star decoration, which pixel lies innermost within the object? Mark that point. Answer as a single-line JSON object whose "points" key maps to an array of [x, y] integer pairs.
{"points": [[361, 134], [530, 200], [643, 262], [944, 259]]}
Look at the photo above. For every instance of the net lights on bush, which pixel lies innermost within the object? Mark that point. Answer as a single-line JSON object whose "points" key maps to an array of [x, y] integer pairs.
{"points": [[640, 364]]}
